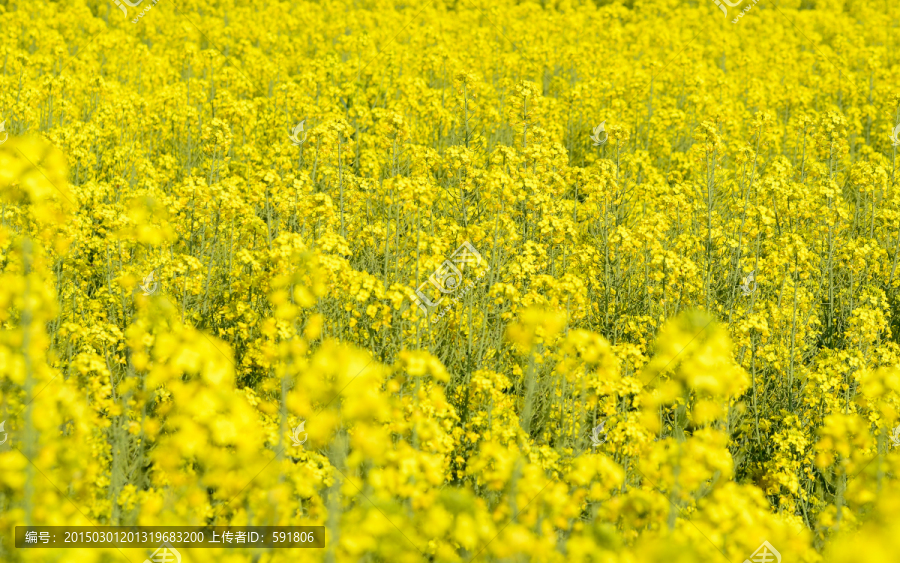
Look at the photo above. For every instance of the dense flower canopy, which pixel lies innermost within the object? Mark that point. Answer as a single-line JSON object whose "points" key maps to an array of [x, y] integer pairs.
{"points": [[376, 266]]}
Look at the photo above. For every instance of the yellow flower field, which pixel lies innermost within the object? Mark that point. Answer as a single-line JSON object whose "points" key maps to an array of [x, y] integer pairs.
{"points": [[556, 281]]}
